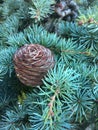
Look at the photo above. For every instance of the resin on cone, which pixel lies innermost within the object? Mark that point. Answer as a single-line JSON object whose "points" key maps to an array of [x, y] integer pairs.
{"points": [[31, 62]]}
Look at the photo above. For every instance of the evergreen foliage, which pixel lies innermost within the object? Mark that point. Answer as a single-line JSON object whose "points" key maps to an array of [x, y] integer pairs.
{"points": [[68, 98], [40, 9]]}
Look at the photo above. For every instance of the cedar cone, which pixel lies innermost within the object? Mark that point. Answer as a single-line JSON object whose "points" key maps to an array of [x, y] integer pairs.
{"points": [[67, 9], [31, 62]]}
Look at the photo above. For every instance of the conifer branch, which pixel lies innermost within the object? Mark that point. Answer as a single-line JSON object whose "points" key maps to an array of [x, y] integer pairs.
{"points": [[67, 99], [39, 11], [51, 104]]}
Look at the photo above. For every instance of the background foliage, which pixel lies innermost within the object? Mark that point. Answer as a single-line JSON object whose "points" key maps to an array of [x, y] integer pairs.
{"points": [[68, 98]]}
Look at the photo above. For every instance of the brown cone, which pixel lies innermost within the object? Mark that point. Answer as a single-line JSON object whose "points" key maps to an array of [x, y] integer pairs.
{"points": [[32, 61]]}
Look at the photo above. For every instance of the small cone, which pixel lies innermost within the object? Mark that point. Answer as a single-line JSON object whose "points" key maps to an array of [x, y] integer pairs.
{"points": [[31, 62]]}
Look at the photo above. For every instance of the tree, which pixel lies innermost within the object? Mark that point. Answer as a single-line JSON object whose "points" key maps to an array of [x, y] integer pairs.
{"points": [[67, 98]]}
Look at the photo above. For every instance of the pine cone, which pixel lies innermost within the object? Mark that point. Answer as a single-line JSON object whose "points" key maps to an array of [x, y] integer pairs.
{"points": [[32, 61], [67, 9]]}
